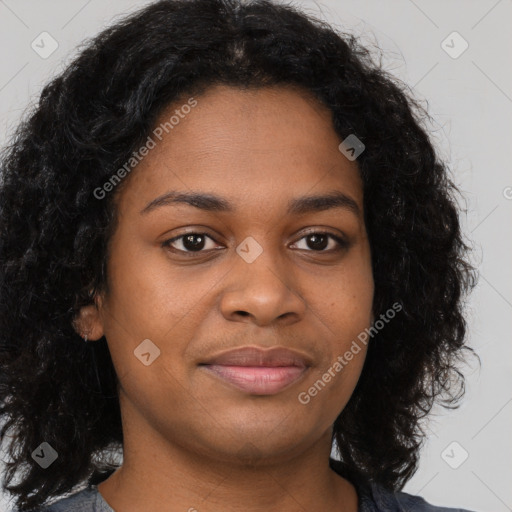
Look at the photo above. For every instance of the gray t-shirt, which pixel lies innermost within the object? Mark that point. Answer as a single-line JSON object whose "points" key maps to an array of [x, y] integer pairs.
{"points": [[372, 498]]}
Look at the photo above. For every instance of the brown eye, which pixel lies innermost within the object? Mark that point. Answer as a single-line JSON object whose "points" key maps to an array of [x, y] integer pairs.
{"points": [[190, 242], [319, 241]]}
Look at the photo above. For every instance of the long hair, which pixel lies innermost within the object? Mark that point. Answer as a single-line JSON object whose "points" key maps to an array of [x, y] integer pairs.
{"points": [[54, 231]]}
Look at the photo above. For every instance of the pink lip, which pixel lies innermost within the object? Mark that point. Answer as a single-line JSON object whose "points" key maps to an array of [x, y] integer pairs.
{"points": [[258, 380], [259, 371]]}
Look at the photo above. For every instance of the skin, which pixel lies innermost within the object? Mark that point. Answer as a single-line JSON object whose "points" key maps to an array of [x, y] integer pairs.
{"points": [[192, 441]]}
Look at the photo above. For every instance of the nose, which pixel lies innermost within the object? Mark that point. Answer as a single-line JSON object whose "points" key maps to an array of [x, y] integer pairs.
{"points": [[263, 292]]}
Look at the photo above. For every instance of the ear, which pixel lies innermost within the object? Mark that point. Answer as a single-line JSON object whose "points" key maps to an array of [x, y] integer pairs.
{"points": [[88, 322]]}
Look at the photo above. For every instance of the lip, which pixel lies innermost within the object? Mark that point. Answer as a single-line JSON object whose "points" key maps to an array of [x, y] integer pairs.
{"points": [[258, 371]]}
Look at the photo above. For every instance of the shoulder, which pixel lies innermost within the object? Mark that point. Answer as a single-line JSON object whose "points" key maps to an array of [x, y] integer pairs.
{"points": [[400, 501], [376, 498], [86, 500]]}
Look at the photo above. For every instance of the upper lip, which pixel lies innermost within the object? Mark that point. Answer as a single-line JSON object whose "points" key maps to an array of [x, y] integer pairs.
{"points": [[257, 356]]}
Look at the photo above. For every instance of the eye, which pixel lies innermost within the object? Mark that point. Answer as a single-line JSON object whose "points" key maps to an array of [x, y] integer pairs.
{"points": [[196, 242], [191, 242], [319, 240]]}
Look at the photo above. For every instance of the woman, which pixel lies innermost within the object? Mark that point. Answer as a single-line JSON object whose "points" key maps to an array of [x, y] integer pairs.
{"points": [[240, 214]]}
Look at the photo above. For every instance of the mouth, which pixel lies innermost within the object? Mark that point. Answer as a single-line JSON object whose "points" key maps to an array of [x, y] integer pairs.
{"points": [[258, 371], [258, 380]]}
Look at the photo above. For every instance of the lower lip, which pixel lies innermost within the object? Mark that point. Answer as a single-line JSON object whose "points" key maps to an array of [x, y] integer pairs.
{"points": [[258, 380]]}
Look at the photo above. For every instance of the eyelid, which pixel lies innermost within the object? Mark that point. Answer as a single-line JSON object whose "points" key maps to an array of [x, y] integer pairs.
{"points": [[167, 243], [342, 241]]}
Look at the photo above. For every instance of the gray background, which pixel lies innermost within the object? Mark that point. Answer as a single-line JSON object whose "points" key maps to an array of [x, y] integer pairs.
{"points": [[470, 100]]}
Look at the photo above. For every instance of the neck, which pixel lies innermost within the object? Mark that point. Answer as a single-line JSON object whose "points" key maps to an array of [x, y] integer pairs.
{"points": [[164, 477]]}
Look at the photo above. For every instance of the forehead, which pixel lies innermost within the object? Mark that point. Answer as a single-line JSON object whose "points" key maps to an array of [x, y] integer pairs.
{"points": [[266, 144]]}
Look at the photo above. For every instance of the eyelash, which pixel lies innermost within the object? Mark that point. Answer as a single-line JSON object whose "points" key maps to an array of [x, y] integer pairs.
{"points": [[342, 244]]}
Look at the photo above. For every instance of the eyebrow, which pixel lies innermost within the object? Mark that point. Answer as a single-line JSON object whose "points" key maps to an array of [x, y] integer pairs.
{"points": [[212, 203]]}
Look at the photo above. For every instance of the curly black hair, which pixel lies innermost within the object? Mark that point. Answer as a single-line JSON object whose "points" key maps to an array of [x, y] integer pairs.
{"points": [[54, 231]]}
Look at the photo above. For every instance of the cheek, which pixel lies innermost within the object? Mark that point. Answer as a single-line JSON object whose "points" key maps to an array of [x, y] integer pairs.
{"points": [[348, 298], [327, 392], [147, 294], [152, 300], [346, 302]]}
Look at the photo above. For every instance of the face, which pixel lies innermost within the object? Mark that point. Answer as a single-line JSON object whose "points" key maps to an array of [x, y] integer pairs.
{"points": [[258, 265]]}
